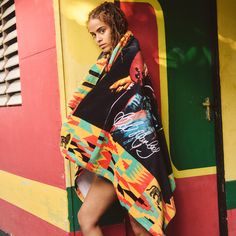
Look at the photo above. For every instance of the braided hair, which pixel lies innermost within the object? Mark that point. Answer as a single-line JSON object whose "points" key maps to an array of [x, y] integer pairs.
{"points": [[113, 16]]}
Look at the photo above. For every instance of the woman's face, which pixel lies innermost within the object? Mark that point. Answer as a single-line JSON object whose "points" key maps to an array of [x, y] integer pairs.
{"points": [[101, 32]]}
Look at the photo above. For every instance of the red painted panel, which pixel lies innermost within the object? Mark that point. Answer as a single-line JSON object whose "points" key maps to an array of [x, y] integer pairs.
{"points": [[116, 230], [197, 207], [143, 16], [231, 214], [35, 26], [21, 223], [29, 140]]}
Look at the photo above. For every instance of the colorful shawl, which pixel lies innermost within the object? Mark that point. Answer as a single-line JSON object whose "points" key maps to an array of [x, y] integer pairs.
{"points": [[119, 136]]}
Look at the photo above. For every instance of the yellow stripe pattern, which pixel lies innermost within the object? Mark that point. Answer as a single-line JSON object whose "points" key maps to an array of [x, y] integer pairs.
{"points": [[47, 202]]}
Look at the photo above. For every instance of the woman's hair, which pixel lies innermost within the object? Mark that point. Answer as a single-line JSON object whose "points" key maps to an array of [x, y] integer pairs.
{"points": [[113, 16]]}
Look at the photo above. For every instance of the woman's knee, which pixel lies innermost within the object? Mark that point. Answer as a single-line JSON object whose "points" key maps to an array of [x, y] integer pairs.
{"points": [[86, 220]]}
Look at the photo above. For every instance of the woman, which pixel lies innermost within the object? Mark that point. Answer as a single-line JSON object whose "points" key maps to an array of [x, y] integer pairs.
{"points": [[114, 131]]}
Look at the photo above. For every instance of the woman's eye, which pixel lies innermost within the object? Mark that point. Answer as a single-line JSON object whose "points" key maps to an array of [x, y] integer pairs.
{"points": [[102, 31]]}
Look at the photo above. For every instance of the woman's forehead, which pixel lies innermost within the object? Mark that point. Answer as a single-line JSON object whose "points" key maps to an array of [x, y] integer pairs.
{"points": [[95, 24]]}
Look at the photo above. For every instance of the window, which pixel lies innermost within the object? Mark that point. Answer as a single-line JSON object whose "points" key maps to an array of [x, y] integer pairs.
{"points": [[10, 86]]}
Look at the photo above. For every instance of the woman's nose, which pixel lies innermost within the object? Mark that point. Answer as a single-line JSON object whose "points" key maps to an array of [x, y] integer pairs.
{"points": [[98, 38]]}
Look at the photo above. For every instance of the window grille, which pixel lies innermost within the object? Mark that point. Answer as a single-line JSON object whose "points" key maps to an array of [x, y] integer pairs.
{"points": [[10, 86]]}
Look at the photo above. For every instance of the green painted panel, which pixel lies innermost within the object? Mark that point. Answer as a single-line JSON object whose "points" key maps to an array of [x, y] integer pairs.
{"points": [[230, 187], [114, 215], [188, 26]]}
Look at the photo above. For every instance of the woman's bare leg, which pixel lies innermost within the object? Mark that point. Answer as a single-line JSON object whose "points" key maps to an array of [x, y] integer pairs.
{"points": [[138, 229], [100, 196]]}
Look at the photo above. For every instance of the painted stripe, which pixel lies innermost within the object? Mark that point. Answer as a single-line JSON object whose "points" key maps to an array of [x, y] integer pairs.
{"points": [[18, 222], [44, 201], [194, 172]]}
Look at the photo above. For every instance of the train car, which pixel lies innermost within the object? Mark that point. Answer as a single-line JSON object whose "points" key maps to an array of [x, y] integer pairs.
{"points": [[45, 51]]}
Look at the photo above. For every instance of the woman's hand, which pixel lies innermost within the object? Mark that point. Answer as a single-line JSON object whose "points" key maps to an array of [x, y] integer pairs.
{"points": [[121, 84]]}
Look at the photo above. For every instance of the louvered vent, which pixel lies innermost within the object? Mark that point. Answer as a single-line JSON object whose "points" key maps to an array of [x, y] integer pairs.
{"points": [[10, 86]]}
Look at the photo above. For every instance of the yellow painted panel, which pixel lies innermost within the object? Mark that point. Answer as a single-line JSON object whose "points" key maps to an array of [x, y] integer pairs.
{"points": [[44, 201], [227, 52], [78, 47]]}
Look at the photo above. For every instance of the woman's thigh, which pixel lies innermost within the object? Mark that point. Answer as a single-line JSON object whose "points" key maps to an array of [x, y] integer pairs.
{"points": [[100, 196]]}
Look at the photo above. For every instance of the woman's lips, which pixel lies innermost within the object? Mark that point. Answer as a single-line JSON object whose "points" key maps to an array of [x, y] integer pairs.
{"points": [[102, 46]]}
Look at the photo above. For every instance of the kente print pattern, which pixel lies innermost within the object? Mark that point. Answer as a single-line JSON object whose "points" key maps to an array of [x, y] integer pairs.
{"points": [[136, 187]]}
